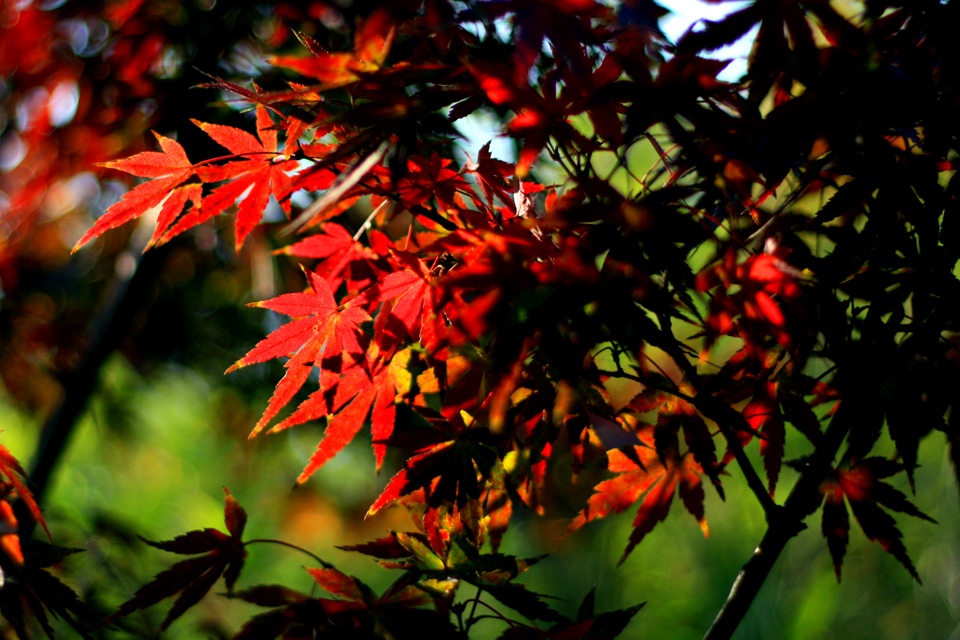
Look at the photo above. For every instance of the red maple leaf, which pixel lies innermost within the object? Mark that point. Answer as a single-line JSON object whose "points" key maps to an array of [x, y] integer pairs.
{"points": [[764, 283], [372, 42], [10, 467], [860, 483], [492, 176], [673, 415], [445, 464], [323, 329], [357, 392], [262, 171], [15, 476], [342, 257], [763, 414], [374, 385], [410, 305], [224, 555], [650, 478], [430, 178], [170, 169]]}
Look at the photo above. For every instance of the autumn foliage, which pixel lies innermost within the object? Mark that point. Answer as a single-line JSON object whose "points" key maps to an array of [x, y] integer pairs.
{"points": [[783, 263]]}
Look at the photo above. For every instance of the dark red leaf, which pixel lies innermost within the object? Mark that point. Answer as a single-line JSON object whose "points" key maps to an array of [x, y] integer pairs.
{"points": [[194, 577]]}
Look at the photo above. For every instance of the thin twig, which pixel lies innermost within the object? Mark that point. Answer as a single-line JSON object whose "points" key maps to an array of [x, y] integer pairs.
{"points": [[326, 565], [497, 615], [346, 182], [647, 382], [366, 223], [476, 601]]}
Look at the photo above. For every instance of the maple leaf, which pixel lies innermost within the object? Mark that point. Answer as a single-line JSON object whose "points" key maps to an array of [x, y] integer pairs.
{"points": [[31, 593], [860, 484], [23, 581], [603, 625], [340, 584], [796, 410], [765, 282], [675, 414], [323, 329], [764, 417], [652, 479], [10, 539], [446, 469], [412, 310], [588, 625], [262, 172], [342, 257], [362, 388], [16, 476], [532, 119], [544, 112], [372, 41], [170, 169], [430, 178], [458, 558], [492, 176], [193, 578], [353, 609]]}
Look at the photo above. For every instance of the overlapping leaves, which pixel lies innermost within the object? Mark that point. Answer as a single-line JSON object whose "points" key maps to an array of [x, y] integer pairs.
{"points": [[476, 308], [650, 473], [355, 608]]}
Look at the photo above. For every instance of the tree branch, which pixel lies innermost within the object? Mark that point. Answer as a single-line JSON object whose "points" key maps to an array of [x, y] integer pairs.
{"points": [[127, 295], [803, 500]]}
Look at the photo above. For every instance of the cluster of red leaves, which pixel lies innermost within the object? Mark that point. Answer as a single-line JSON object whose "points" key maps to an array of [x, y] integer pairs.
{"points": [[490, 320], [254, 171], [12, 488], [28, 592], [380, 321], [651, 473], [752, 311], [393, 321]]}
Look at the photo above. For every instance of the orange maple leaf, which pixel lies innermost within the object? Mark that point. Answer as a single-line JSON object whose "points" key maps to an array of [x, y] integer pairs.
{"points": [[372, 42], [169, 190], [652, 480]]}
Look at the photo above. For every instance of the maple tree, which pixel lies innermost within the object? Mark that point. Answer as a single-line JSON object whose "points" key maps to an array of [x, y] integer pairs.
{"points": [[783, 266]]}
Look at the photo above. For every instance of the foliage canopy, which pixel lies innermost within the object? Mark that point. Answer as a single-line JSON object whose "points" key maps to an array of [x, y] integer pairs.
{"points": [[783, 262]]}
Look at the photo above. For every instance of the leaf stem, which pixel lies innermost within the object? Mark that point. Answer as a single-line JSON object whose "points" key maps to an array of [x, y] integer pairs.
{"points": [[647, 382], [366, 223], [326, 565], [473, 610], [496, 614], [459, 613]]}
